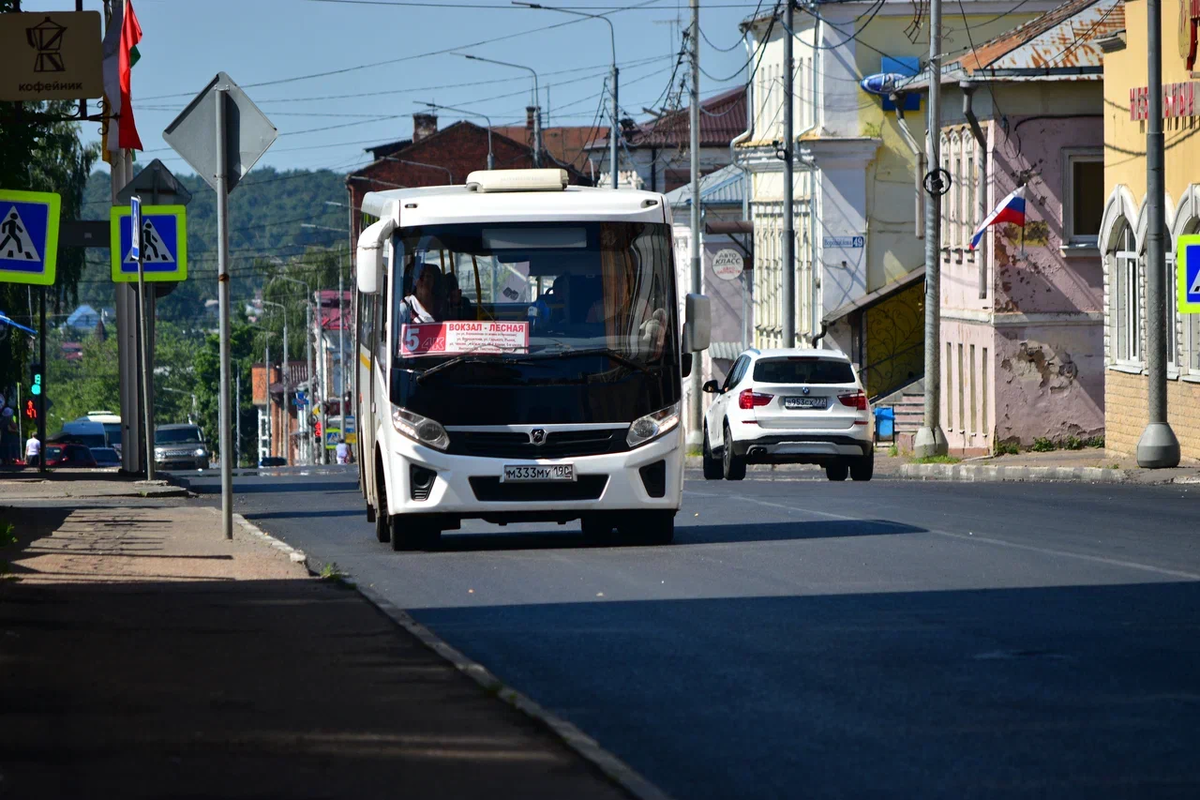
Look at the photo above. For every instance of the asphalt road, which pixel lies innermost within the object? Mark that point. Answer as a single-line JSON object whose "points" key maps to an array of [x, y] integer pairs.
{"points": [[810, 639]]}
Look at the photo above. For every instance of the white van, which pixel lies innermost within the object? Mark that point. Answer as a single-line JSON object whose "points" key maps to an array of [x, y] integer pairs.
{"points": [[94, 429]]}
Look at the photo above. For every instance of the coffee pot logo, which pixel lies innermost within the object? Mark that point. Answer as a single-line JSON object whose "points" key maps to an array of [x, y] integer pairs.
{"points": [[46, 38]]}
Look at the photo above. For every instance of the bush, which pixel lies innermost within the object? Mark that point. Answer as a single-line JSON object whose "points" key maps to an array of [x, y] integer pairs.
{"points": [[1042, 445], [1095, 441], [1073, 443], [1007, 448]]}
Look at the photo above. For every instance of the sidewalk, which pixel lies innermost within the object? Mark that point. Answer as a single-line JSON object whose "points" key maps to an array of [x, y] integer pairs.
{"points": [[1085, 466], [145, 656], [29, 484]]}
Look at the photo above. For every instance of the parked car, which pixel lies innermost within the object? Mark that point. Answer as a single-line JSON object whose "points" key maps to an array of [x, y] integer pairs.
{"points": [[106, 456], [789, 407], [68, 455], [180, 446]]}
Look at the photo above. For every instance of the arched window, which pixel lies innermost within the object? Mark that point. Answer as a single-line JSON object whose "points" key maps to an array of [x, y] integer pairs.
{"points": [[1126, 284], [970, 177]]}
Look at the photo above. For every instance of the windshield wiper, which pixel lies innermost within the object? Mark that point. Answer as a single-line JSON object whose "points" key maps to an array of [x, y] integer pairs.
{"points": [[466, 358], [612, 354]]}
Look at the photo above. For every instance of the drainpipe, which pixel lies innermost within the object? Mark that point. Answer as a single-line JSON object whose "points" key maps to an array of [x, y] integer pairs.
{"points": [[814, 269], [918, 151], [968, 91]]}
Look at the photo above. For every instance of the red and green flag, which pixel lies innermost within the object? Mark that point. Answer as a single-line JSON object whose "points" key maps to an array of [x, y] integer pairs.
{"points": [[120, 54]]}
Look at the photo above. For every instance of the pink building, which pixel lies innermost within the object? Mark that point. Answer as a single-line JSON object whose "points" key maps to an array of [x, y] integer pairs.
{"points": [[1022, 330]]}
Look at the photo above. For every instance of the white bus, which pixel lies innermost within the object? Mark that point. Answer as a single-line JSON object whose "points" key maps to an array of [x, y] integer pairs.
{"points": [[520, 358]]}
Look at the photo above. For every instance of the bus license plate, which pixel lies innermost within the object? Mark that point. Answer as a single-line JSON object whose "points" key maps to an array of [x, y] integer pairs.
{"points": [[805, 402], [537, 473]]}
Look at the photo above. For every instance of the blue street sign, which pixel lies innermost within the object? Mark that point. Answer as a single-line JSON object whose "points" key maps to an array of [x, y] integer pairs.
{"points": [[1187, 259], [28, 236], [135, 224], [163, 244]]}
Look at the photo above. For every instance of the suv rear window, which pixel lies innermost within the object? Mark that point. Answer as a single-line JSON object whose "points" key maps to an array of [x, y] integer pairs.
{"points": [[802, 370]]}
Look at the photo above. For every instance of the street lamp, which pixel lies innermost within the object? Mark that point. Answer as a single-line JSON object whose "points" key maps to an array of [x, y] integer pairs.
{"points": [[537, 112], [491, 162], [308, 356], [615, 114], [449, 174], [287, 450]]}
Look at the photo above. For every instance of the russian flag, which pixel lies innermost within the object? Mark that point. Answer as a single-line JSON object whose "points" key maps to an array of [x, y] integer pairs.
{"points": [[1011, 209]]}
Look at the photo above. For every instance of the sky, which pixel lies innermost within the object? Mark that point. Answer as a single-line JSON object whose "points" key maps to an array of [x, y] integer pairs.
{"points": [[326, 121]]}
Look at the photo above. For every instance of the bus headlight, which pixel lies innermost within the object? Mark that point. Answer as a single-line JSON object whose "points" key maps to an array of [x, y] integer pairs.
{"points": [[420, 429], [652, 426]]}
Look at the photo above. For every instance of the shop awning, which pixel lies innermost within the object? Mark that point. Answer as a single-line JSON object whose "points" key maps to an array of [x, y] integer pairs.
{"points": [[876, 297]]}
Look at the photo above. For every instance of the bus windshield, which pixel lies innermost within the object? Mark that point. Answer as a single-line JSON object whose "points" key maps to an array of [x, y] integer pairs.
{"points": [[533, 290]]}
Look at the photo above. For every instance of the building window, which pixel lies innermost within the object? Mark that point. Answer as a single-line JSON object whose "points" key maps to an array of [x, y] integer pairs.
{"points": [[945, 148], [949, 401], [983, 394], [1085, 199], [1127, 298], [1172, 310]]}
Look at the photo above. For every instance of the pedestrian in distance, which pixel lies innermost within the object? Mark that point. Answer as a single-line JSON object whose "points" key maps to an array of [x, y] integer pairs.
{"points": [[33, 451], [343, 452]]}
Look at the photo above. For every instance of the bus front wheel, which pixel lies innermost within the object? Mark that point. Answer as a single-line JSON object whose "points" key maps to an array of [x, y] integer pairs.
{"points": [[415, 532], [649, 527]]}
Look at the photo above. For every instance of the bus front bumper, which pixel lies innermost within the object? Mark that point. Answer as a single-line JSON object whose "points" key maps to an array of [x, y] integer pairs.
{"points": [[464, 487]]}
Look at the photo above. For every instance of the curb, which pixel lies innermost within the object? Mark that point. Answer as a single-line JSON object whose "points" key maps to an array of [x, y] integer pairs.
{"points": [[612, 767], [295, 555], [969, 473]]}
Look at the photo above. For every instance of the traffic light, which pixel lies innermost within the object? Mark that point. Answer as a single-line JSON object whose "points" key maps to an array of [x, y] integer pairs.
{"points": [[35, 379], [31, 410], [318, 428]]}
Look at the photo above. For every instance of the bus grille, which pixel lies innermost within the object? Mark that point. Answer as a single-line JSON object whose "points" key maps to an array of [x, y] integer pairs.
{"points": [[490, 490], [558, 444]]}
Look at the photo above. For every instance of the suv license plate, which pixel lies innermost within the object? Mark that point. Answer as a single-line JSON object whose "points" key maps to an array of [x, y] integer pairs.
{"points": [[805, 402], [537, 473]]}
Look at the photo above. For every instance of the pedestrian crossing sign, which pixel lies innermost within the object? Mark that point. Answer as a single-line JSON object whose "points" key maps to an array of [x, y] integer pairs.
{"points": [[28, 236], [164, 244], [1187, 258]]}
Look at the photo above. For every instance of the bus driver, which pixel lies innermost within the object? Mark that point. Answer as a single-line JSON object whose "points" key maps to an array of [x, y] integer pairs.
{"points": [[421, 305]]}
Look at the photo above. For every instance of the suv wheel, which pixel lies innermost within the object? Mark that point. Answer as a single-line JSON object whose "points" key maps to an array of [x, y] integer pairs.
{"points": [[863, 467], [712, 467], [836, 470], [732, 465]]}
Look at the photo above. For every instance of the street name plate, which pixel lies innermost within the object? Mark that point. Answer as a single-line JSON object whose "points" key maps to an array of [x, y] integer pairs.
{"points": [[249, 133]]}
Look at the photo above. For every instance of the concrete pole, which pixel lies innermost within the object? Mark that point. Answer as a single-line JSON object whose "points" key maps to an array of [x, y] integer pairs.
{"points": [[223, 303], [237, 416], [931, 439], [614, 134], [308, 361], [147, 366], [342, 354], [1158, 447], [787, 289], [283, 377], [695, 407]]}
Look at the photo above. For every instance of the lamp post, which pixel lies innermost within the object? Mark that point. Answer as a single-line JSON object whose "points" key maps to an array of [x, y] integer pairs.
{"points": [[308, 356], [449, 174], [491, 160], [287, 450], [614, 133], [537, 111]]}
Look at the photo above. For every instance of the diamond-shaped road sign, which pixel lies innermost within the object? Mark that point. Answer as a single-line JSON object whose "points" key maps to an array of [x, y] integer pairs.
{"points": [[193, 134], [157, 186]]}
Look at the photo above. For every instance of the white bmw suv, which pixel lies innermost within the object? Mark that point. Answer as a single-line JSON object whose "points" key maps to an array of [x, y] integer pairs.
{"points": [[789, 407]]}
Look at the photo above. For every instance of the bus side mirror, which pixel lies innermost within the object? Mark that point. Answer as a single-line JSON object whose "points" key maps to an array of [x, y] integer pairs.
{"points": [[369, 261], [685, 365], [697, 326]]}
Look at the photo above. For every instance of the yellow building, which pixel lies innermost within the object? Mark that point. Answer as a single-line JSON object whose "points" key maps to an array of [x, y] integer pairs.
{"points": [[858, 257], [1123, 230]]}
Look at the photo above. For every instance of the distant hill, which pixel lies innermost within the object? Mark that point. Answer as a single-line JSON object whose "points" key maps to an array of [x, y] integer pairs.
{"points": [[266, 211]]}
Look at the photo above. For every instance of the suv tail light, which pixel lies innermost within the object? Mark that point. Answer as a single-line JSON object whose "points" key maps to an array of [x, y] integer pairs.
{"points": [[749, 399], [856, 400]]}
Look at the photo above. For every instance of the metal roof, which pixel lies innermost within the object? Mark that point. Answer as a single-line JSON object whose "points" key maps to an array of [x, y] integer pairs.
{"points": [[726, 186], [722, 118], [1061, 44]]}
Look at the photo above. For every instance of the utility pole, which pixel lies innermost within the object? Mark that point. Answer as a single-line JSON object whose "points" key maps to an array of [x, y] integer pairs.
{"points": [[930, 439], [788, 273], [308, 361], [341, 357], [283, 370], [237, 439], [222, 187], [267, 360], [135, 235], [1157, 448], [694, 412], [41, 403]]}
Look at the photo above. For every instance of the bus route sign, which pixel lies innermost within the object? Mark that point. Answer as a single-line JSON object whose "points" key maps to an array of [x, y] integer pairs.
{"points": [[450, 338]]}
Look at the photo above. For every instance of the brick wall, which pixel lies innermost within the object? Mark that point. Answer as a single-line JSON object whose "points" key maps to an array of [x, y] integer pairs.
{"points": [[1125, 413]]}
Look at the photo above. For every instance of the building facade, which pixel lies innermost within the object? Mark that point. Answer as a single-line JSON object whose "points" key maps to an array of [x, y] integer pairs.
{"points": [[855, 196], [1022, 328], [1123, 229]]}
